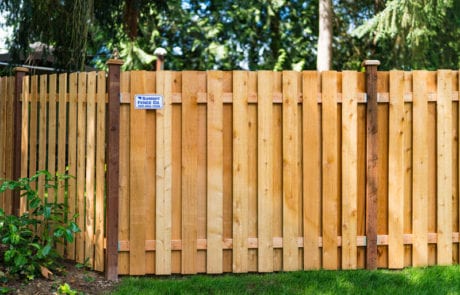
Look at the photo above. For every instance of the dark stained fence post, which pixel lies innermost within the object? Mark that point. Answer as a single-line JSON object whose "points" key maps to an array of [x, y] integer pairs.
{"points": [[17, 131], [112, 177], [371, 163]]}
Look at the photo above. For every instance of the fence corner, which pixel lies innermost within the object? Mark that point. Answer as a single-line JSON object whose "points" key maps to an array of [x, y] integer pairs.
{"points": [[371, 163], [112, 177]]}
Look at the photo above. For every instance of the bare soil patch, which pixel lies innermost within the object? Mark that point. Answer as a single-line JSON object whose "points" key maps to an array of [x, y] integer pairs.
{"points": [[81, 280]]}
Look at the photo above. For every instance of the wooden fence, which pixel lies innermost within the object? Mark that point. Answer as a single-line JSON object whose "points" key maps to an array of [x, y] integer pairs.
{"points": [[63, 124], [252, 171], [6, 134]]}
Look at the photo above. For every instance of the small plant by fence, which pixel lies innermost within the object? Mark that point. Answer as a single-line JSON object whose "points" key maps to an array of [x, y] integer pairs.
{"points": [[253, 171]]}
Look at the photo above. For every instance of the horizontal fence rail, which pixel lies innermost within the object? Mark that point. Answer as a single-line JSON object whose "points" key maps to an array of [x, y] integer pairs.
{"points": [[250, 171]]}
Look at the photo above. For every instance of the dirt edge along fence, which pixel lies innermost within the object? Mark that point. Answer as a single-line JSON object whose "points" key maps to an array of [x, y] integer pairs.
{"points": [[246, 171]]}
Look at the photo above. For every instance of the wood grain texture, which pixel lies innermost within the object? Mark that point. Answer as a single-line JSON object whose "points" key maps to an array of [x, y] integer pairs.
{"points": [[42, 127], [149, 173], [51, 140], [349, 170], [137, 180], [277, 159], [25, 137], [311, 170], [372, 182], [124, 169], [3, 92], [9, 148], [265, 171], [72, 155], [396, 171], [61, 141], [291, 163], [100, 172], [253, 173], [81, 164], [164, 175], [90, 174], [190, 87], [444, 167], [240, 172], [330, 169], [214, 172]]}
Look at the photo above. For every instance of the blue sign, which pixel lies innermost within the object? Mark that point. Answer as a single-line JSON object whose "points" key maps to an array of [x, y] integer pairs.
{"points": [[148, 101]]}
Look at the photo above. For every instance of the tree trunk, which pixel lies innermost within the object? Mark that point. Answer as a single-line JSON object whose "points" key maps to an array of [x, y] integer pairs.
{"points": [[131, 18], [324, 58]]}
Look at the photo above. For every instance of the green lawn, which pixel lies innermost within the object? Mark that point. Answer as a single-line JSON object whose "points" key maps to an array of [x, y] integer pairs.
{"points": [[432, 280]]}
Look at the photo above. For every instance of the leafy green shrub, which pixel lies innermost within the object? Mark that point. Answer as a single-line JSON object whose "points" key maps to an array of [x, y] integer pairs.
{"points": [[27, 242]]}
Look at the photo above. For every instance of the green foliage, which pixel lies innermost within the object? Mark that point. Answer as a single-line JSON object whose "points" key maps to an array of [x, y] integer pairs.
{"points": [[62, 25], [28, 241], [416, 34], [65, 289], [238, 34]]}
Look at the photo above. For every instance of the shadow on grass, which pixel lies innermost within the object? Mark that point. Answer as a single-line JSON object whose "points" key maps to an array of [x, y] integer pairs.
{"points": [[432, 280]]}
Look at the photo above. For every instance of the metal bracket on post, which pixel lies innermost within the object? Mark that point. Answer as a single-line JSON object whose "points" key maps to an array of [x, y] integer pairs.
{"points": [[371, 163]]}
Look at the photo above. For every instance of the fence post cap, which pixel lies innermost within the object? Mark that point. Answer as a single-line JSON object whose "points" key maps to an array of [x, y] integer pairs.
{"points": [[160, 51], [21, 69], [371, 62], [115, 62]]}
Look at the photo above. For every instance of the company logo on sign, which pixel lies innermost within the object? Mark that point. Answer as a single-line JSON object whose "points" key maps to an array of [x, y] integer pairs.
{"points": [[148, 101]]}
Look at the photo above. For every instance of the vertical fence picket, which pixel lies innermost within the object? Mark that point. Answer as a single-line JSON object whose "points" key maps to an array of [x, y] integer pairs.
{"points": [[408, 164], [52, 127], [61, 141], [330, 169], [124, 158], [150, 167], [396, 171], [420, 170], [176, 172], [265, 171], [349, 169], [163, 176], [311, 170], [431, 85], [190, 89], [253, 173], [291, 179], [227, 188], [72, 156], [25, 93], [8, 195], [277, 166], [90, 166], [137, 180], [444, 167], [240, 172], [214, 173], [3, 126], [80, 255], [100, 167], [42, 128]]}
